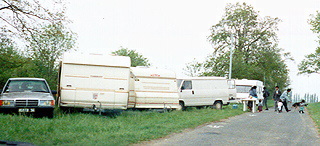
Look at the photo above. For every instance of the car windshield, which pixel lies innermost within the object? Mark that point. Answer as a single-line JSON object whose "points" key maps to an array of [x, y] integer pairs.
{"points": [[26, 86]]}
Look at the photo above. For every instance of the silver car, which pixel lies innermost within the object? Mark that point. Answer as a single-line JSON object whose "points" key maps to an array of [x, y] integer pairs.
{"points": [[27, 95]]}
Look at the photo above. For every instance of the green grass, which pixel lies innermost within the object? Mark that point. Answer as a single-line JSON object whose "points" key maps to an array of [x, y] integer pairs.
{"points": [[270, 103], [91, 129], [313, 109]]}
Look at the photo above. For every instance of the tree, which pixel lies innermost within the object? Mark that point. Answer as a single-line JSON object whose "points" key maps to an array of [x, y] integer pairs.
{"points": [[136, 58], [48, 45], [10, 60], [24, 18], [193, 68], [255, 47], [41, 29], [311, 63]]}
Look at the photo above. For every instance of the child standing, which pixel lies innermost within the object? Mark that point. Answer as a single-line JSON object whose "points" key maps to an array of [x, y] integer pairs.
{"points": [[260, 105], [280, 104], [301, 106]]}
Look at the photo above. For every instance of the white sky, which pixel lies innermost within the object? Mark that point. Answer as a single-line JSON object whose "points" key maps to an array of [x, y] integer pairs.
{"points": [[171, 33]]}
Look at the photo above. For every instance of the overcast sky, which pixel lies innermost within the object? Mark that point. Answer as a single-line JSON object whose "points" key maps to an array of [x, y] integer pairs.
{"points": [[171, 33]]}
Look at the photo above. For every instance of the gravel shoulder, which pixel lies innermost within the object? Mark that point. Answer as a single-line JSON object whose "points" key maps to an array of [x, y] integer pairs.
{"points": [[265, 128]]}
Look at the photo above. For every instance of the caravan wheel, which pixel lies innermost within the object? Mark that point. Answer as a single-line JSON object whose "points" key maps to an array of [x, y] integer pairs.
{"points": [[217, 105], [181, 106]]}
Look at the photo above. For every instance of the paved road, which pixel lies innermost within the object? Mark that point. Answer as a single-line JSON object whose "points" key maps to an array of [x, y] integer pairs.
{"points": [[266, 128]]}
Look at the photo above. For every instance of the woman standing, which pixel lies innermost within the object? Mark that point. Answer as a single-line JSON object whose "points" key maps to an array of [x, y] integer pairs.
{"points": [[252, 94]]}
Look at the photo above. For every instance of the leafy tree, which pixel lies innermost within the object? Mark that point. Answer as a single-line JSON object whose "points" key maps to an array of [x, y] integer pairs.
{"points": [[255, 47], [10, 60], [46, 50], [136, 58], [43, 33], [193, 68], [24, 18], [311, 63]]}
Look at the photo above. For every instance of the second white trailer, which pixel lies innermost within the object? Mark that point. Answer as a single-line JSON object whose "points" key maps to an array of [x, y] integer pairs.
{"points": [[153, 89], [243, 87]]}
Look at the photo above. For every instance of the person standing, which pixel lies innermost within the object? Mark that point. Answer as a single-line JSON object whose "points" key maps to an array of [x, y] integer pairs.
{"points": [[252, 94], [286, 97], [276, 97], [260, 105], [265, 97]]}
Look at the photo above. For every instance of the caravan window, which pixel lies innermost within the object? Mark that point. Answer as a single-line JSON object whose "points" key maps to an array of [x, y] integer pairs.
{"points": [[186, 85], [243, 89]]}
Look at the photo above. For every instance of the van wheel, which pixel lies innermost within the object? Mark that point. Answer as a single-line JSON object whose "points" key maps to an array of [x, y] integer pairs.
{"points": [[181, 106], [217, 105]]}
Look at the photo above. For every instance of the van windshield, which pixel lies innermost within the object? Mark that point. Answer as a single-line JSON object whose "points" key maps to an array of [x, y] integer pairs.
{"points": [[26, 86], [179, 82]]}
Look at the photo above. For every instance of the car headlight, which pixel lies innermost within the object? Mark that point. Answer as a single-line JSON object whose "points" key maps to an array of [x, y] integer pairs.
{"points": [[6, 102], [46, 103]]}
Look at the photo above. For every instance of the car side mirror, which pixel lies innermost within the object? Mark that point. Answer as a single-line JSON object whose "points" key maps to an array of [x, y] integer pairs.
{"points": [[54, 92]]}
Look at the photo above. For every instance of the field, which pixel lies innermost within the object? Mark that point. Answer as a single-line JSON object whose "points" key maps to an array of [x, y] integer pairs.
{"points": [[92, 129], [313, 109]]}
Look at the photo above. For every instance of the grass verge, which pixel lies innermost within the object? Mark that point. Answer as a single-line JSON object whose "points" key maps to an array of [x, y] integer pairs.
{"points": [[313, 109], [90, 129]]}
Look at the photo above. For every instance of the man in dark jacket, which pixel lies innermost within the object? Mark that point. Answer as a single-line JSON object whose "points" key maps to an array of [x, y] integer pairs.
{"points": [[265, 97], [276, 97]]}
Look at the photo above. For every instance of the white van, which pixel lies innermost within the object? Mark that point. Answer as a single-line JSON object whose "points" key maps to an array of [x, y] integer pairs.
{"points": [[206, 91], [243, 87], [153, 89], [90, 81]]}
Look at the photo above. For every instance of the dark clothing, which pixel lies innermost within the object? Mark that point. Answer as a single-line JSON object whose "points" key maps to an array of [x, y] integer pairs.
{"points": [[265, 93], [259, 108], [286, 97], [285, 104], [265, 98], [250, 104], [265, 103], [276, 98]]}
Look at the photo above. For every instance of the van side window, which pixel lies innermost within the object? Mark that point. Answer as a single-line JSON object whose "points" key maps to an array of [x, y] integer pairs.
{"points": [[231, 84], [186, 85]]}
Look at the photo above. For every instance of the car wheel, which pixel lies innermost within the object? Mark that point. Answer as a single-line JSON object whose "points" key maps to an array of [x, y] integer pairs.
{"points": [[50, 114], [217, 105]]}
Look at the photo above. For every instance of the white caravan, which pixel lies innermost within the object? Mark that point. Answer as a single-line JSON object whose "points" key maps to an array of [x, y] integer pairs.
{"points": [[206, 91], [94, 82], [153, 89], [243, 87]]}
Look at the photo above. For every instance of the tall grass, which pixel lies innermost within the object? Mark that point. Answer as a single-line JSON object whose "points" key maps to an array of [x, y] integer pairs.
{"points": [[313, 109], [91, 129]]}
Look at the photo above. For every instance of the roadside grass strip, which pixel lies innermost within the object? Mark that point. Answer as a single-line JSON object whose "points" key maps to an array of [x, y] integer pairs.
{"points": [[314, 111], [91, 129]]}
